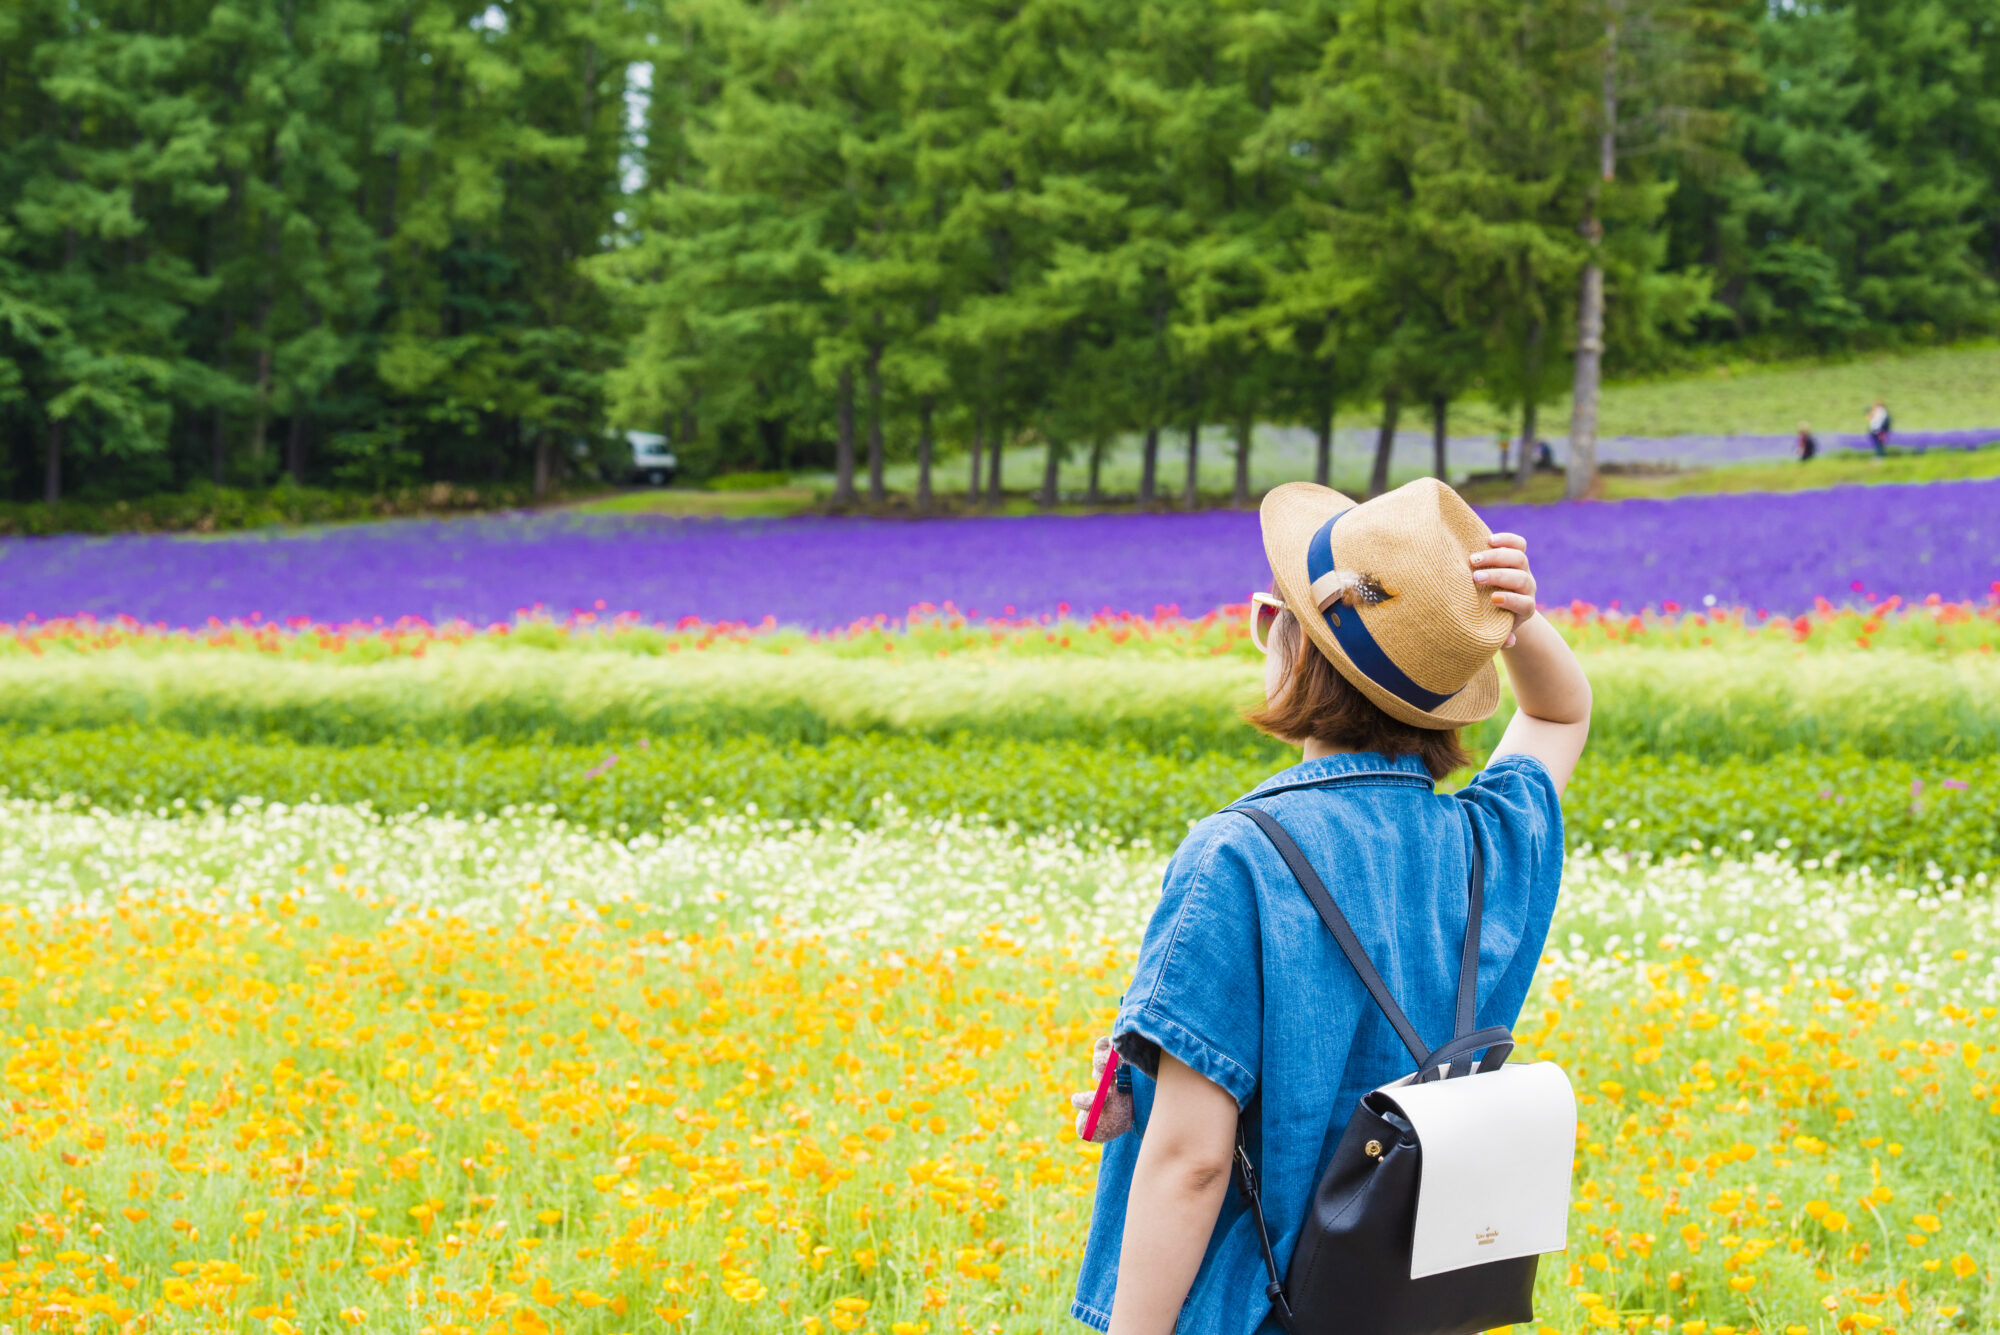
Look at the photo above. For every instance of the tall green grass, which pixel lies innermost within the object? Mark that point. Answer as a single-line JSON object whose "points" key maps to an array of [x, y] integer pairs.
{"points": [[1697, 702], [1884, 812]]}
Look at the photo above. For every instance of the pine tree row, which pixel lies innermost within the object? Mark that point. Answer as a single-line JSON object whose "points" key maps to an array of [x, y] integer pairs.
{"points": [[383, 240]]}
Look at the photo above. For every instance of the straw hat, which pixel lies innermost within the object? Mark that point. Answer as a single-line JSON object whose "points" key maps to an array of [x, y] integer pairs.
{"points": [[1384, 590]]}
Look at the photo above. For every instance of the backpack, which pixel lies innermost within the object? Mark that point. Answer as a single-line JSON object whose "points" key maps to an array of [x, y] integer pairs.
{"points": [[1447, 1185]]}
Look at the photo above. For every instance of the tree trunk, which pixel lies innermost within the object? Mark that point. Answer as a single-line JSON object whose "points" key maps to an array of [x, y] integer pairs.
{"points": [[1149, 466], [924, 454], [875, 492], [1240, 494], [1582, 468], [218, 448], [544, 464], [218, 445], [1440, 409], [993, 453], [978, 450], [52, 466], [263, 405], [1323, 445], [1524, 467], [295, 447], [1385, 440], [843, 448], [1092, 496], [1051, 470], [1191, 495], [997, 445]]}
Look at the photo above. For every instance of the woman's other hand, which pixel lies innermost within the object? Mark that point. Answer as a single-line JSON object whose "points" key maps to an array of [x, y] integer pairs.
{"points": [[1552, 696], [1116, 1117], [1504, 572]]}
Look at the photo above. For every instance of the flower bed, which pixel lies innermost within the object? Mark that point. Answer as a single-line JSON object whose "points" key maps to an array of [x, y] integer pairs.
{"points": [[1772, 553]]}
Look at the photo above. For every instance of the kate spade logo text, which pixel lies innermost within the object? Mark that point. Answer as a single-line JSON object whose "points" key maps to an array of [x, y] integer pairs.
{"points": [[1487, 1236]]}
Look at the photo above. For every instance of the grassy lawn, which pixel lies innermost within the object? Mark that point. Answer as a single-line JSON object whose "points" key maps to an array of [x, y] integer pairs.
{"points": [[1944, 387], [687, 502], [1941, 388], [1786, 475], [1826, 471]]}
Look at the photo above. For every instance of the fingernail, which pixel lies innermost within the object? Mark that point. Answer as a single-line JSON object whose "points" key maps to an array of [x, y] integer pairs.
{"points": [[1498, 597], [1510, 641], [1482, 576]]}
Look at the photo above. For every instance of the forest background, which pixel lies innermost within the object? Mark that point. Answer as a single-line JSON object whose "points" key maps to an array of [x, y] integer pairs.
{"points": [[375, 243]]}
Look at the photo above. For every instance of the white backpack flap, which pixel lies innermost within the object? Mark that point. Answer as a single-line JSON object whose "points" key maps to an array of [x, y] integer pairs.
{"points": [[1498, 1150]]}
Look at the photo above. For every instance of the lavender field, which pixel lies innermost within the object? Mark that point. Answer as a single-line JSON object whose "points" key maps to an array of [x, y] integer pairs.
{"points": [[1772, 552]]}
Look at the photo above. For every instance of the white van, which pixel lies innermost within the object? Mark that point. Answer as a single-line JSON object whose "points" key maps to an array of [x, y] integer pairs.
{"points": [[652, 462]]}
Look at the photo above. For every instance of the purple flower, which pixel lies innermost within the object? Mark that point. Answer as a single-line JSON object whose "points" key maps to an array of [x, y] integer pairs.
{"points": [[1766, 551]]}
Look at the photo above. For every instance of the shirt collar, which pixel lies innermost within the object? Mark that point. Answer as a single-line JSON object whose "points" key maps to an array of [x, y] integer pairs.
{"points": [[1342, 765]]}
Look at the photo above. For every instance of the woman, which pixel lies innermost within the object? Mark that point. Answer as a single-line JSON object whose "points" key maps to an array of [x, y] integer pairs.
{"points": [[1379, 642]]}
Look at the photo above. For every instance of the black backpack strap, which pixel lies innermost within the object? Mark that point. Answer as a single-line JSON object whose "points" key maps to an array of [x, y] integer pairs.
{"points": [[1350, 944], [1468, 961], [1496, 1042], [1246, 1180]]}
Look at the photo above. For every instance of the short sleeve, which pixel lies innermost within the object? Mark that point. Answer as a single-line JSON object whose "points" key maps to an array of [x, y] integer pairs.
{"points": [[1197, 989], [1518, 814]]}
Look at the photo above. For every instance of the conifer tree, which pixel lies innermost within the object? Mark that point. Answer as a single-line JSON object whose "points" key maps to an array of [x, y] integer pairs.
{"points": [[1660, 66]]}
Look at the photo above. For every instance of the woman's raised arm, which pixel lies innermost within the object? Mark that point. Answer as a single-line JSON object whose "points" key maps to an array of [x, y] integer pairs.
{"points": [[1552, 696]]}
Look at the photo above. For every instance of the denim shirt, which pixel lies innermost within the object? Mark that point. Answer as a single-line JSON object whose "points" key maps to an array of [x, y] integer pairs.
{"points": [[1239, 980]]}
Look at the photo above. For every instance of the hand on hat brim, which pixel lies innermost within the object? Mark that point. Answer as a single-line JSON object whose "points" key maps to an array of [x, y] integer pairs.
{"points": [[1504, 571]]}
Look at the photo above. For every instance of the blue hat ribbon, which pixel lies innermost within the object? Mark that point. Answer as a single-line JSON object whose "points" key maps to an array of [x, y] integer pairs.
{"points": [[1353, 635]]}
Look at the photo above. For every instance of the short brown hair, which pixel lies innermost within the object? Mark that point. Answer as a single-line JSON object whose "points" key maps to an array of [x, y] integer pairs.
{"points": [[1316, 702]]}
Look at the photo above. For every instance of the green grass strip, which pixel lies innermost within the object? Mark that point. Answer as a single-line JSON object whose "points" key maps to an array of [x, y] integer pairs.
{"points": [[1802, 805], [1772, 700]]}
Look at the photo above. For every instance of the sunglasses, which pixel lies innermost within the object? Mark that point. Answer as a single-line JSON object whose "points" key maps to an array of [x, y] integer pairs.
{"points": [[1265, 608]]}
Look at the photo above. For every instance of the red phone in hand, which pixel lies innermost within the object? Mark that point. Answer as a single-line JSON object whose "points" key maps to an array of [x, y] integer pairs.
{"points": [[1104, 1084]]}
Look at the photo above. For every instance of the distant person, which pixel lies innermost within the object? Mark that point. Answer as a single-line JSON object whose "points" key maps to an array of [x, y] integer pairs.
{"points": [[1807, 446], [1506, 445], [1544, 456], [1879, 427]]}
